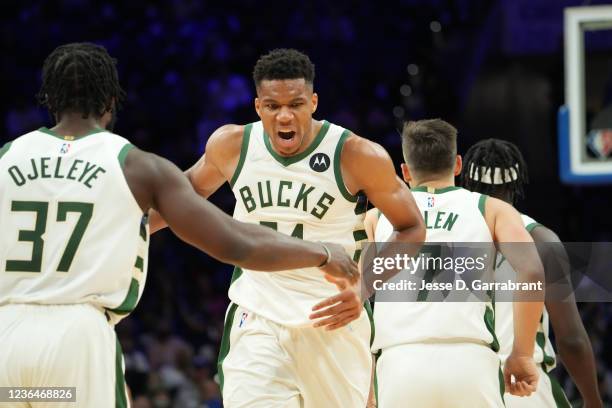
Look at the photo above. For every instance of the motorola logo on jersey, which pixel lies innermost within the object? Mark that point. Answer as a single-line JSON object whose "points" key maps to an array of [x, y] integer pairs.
{"points": [[320, 162]]}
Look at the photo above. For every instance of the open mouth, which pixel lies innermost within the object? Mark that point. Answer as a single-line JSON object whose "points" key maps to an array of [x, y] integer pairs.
{"points": [[286, 135]]}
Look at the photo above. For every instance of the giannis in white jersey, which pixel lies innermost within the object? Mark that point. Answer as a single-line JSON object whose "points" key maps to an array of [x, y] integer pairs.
{"points": [[442, 353], [294, 339], [73, 248], [497, 167]]}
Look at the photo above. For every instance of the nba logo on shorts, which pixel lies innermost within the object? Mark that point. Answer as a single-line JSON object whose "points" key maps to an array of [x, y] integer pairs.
{"points": [[430, 202], [65, 147], [243, 318]]}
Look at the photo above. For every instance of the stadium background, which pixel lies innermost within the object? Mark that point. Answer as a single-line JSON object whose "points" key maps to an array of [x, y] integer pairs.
{"points": [[492, 68]]}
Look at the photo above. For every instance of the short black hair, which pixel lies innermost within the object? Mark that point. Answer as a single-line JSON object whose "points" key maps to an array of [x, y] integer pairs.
{"points": [[284, 63], [488, 157], [80, 77], [429, 146]]}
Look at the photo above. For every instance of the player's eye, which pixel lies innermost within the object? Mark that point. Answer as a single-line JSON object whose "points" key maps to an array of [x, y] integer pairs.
{"points": [[296, 104], [271, 106]]}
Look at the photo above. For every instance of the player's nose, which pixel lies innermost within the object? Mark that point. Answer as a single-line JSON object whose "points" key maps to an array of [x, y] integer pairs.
{"points": [[284, 115]]}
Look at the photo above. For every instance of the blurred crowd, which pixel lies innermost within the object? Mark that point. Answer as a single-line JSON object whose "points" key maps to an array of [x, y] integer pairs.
{"points": [[186, 67]]}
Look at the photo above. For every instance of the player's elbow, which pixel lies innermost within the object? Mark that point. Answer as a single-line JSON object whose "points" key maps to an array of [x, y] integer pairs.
{"points": [[574, 344]]}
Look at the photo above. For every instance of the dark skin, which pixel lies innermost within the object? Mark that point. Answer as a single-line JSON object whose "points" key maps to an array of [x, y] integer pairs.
{"points": [[571, 338], [285, 108], [158, 184]]}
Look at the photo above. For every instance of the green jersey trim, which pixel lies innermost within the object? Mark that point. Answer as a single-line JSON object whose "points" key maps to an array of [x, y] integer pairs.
{"points": [[370, 313], [5, 149], [489, 320], [123, 153], [559, 396], [225, 342], [338, 169], [129, 303], [120, 393], [431, 190], [286, 161], [481, 203], [68, 137], [246, 136], [502, 384], [532, 226]]}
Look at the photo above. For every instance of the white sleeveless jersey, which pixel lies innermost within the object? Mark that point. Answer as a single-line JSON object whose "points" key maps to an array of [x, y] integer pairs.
{"points": [[451, 214], [504, 327], [303, 196], [72, 231]]}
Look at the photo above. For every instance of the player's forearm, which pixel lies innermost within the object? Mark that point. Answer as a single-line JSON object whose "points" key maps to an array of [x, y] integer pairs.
{"points": [[577, 357], [526, 317], [266, 250]]}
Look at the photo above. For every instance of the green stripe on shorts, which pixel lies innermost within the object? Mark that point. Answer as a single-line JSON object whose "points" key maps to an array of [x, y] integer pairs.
{"points": [[120, 397], [225, 342]]}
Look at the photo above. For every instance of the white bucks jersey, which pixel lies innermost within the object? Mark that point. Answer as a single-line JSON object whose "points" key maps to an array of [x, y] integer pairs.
{"points": [[302, 196], [451, 214], [504, 327], [71, 230]]}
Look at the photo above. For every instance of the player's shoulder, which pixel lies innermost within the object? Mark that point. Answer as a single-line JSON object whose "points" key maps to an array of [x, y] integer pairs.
{"points": [[226, 140], [360, 148]]}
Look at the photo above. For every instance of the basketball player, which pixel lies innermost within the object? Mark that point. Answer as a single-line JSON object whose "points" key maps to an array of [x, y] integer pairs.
{"points": [[306, 178], [442, 354], [497, 168], [74, 242]]}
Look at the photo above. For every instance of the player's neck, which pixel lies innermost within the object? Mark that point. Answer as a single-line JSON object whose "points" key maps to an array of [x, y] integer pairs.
{"points": [[73, 123], [436, 183]]}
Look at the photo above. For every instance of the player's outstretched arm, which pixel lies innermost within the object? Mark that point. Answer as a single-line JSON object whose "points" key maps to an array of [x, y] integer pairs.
{"points": [[514, 241], [159, 184], [571, 338], [215, 167]]}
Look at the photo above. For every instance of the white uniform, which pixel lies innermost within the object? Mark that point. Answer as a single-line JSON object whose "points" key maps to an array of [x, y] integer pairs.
{"points": [[73, 261], [271, 356], [549, 392], [440, 354]]}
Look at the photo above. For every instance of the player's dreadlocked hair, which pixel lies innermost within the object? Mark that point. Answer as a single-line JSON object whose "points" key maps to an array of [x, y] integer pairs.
{"points": [[80, 77], [284, 63], [494, 164]]}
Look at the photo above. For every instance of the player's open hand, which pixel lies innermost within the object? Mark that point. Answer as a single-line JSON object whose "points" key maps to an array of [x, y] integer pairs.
{"points": [[339, 310], [525, 373], [340, 264]]}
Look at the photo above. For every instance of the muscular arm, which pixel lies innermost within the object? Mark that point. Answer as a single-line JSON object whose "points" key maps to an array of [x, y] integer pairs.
{"points": [[571, 337], [367, 167], [156, 183], [513, 241], [214, 168]]}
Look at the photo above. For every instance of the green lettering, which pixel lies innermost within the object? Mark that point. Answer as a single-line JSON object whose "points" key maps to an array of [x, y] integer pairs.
{"points": [[280, 201], [57, 168], [438, 219], [17, 176], [322, 207], [35, 170], [269, 191], [303, 196], [247, 198], [44, 166], [426, 219], [450, 221], [88, 167], [94, 176], [73, 168]]}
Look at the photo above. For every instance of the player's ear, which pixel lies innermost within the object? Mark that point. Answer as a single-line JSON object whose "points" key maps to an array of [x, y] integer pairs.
{"points": [[258, 107], [315, 101], [406, 173], [458, 165]]}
